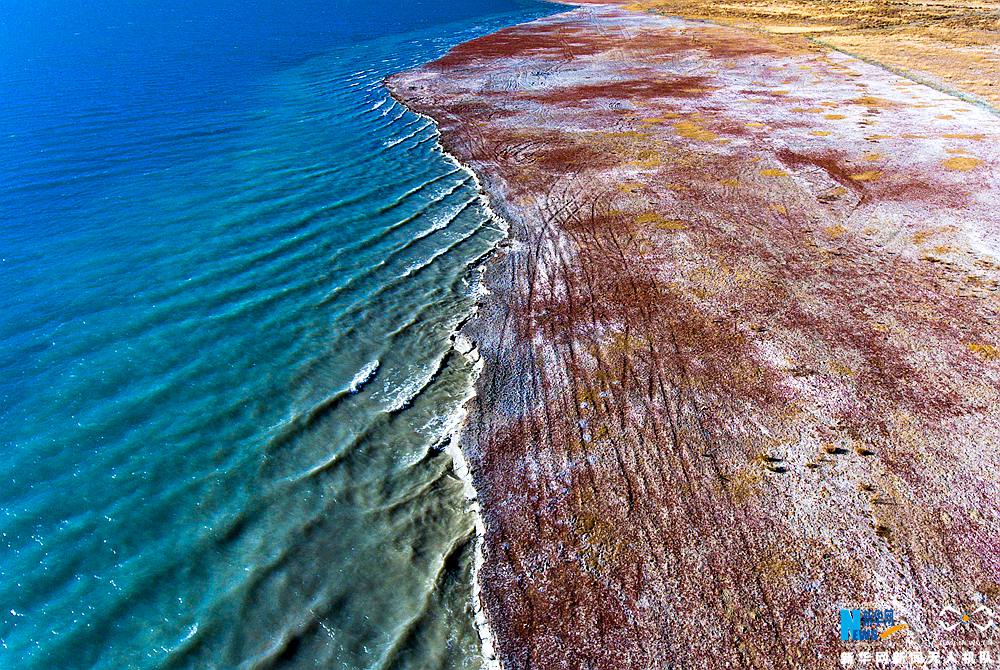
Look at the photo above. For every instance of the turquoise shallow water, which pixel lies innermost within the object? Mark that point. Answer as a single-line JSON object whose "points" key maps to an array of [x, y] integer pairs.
{"points": [[230, 266]]}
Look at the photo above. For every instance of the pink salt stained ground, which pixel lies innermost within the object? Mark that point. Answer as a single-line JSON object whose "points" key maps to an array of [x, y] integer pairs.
{"points": [[742, 349]]}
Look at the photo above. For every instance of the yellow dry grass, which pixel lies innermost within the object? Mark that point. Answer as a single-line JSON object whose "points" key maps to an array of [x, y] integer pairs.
{"points": [[951, 42]]}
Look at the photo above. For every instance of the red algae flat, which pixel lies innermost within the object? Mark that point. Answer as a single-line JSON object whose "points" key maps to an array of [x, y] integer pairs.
{"points": [[742, 361]]}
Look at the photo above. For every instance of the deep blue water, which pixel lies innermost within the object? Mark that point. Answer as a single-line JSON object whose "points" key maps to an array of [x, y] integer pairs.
{"points": [[229, 267]]}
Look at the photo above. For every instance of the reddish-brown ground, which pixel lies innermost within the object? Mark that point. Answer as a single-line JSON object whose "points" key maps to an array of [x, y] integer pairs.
{"points": [[742, 349]]}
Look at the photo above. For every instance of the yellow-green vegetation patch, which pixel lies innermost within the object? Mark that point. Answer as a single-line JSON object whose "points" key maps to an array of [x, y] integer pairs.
{"points": [[631, 187], [660, 221], [671, 224], [961, 163], [987, 351], [693, 131]]}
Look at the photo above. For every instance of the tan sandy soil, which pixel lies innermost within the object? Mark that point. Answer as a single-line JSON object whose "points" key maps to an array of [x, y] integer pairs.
{"points": [[952, 43]]}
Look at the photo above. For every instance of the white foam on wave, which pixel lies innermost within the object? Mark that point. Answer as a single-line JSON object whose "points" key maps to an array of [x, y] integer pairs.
{"points": [[363, 376], [454, 427], [399, 395]]}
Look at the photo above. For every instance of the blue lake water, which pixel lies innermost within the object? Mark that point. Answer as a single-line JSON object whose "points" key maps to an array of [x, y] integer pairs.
{"points": [[229, 267]]}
